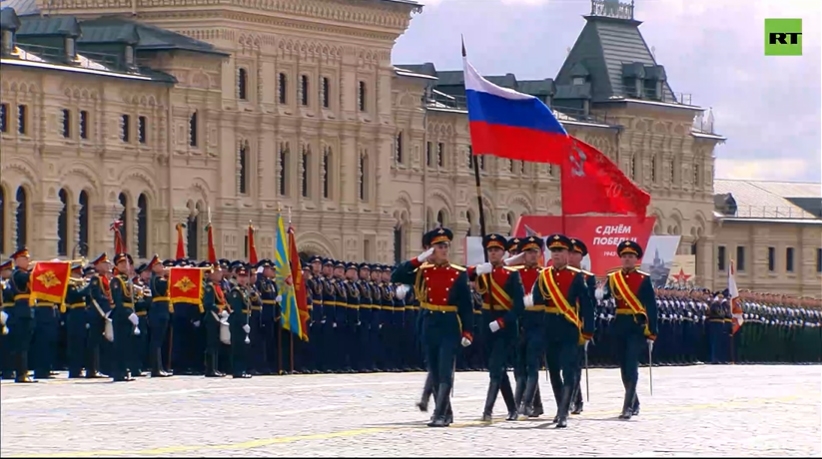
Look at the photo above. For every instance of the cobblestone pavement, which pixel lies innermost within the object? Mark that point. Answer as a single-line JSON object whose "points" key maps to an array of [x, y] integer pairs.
{"points": [[768, 410]]}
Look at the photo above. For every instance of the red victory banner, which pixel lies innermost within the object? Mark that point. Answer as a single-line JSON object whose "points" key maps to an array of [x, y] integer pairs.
{"points": [[185, 285], [49, 281], [601, 234]]}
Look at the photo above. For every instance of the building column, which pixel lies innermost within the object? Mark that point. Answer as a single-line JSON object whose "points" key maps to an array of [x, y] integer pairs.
{"points": [[704, 265], [43, 228]]}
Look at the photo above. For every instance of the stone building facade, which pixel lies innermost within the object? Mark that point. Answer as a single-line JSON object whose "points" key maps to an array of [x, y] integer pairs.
{"points": [[295, 105]]}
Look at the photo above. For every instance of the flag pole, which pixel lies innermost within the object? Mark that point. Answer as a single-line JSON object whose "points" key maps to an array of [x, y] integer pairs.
{"points": [[478, 183], [291, 335]]}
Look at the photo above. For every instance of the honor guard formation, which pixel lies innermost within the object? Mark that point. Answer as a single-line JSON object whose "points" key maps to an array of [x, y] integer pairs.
{"points": [[117, 319]]}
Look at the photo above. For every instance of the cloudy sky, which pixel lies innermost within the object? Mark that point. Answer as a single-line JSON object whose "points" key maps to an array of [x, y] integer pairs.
{"points": [[767, 107]]}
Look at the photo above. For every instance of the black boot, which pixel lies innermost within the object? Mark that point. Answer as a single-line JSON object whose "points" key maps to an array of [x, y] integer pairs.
{"points": [[209, 365], [427, 391], [564, 404], [628, 402], [490, 399], [443, 402], [23, 368], [520, 389], [635, 407], [526, 407], [157, 365], [538, 409], [93, 371], [215, 359], [577, 398], [508, 397]]}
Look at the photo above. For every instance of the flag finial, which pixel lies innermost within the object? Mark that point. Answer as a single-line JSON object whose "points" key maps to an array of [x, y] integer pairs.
{"points": [[462, 39]]}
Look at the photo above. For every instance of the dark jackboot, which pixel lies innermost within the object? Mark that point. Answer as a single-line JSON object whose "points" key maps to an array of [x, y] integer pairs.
{"points": [[577, 400], [635, 407], [508, 397], [441, 410], [210, 370], [93, 370], [157, 365], [520, 389], [526, 408], [538, 409], [490, 399], [628, 402], [427, 391], [23, 368], [564, 404]]}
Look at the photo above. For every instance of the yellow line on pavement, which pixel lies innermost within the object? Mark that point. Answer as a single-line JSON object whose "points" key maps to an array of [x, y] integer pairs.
{"points": [[374, 430]]}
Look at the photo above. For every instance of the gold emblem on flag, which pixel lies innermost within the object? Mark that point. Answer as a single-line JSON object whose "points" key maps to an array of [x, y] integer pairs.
{"points": [[49, 279], [185, 284]]}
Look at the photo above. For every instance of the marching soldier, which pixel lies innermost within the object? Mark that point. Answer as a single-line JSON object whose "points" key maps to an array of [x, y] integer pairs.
{"points": [[443, 292], [124, 320], [142, 302], [531, 345], [569, 321], [636, 318], [578, 251], [76, 320], [21, 322], [214, 304], [6, 309], [271, 334], [159, 314], [240, 305], [44, 340], [502, 307]]}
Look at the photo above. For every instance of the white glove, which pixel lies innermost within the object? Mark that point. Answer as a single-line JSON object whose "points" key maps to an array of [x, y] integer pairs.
{"points": [[494, 326], [133, 319], [401, 290], [246, 328], [259, 270], [224, 322], [3, 317], [334, 325], [359, 323], [279, 298], [196, 323], [528, 300], [224, 314], [484, 268], [465, 342], [515, 260], [585, 346], [88, 326], [136, 331], [650, 344], [425, 255], [108, 314], [380, 326], [599, 294]]}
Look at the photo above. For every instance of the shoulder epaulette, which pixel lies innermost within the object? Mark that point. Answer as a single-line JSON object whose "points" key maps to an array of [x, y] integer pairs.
{"points": [[573, 270], [512, 268], [458, 267], [643, 273], [587, 273]]}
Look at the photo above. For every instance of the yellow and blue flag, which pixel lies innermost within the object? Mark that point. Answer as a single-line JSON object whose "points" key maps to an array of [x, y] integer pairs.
{"points": [[290, 282]]}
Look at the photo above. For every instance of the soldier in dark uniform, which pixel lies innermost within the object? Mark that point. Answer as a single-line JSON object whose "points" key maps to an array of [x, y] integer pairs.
{"points": [[578, 251], [185, 324], [569, 321], [378, 301], [240, 305], [214, 303], [45, 338], [443, 292], [636, 318], [365, 361], [352, 318], [314, 287], [716, 330], [6, 309], [333, 354], [304, 350], [343, 312], [123, 317], [76, 322], [502, 307], [266, 350], [21, 321], [256, 349], [142, 303], [159, 314], [531, 344], [396, 330]]}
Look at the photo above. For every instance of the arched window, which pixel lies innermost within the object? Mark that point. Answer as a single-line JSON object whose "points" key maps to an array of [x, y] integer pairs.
{"points": [[2, 220], [142, 226], [243, 166], [470, 217], [242, 84], [305, 172], [83, 223], [192, 130], [282, 88], [283, 169], [398, 148], [653, 169], [429, 219], [326, 170], [193, 229], [633, 167], [62, 224], [398, 240], [511, 219], [124, 217], [482, 162], [441, 218], [22, 217], [304, 90], [363, 176]]}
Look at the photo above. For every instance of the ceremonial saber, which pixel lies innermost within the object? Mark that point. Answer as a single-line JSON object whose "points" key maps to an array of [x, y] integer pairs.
{"points": [[651, 365], [587, 379]]}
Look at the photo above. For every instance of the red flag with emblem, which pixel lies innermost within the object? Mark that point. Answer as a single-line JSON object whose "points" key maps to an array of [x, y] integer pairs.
{"points": [[185, 285], [49, 281], [606, 189], [252, 249], [299, 283], [181, 248]]}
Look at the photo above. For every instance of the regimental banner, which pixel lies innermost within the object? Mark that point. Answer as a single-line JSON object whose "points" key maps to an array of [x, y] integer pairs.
{"points": [[601, 234], [49, 281], [185, 285]]}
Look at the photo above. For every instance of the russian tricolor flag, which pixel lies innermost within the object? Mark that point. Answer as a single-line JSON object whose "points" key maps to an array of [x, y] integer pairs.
{"points": [[511, 125]]}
